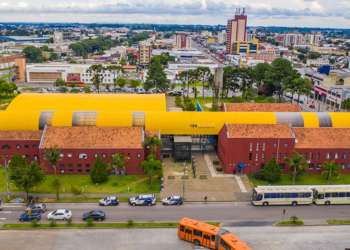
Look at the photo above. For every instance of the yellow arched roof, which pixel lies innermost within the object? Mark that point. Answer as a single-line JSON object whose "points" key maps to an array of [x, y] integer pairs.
{"points": [[88, 102]]}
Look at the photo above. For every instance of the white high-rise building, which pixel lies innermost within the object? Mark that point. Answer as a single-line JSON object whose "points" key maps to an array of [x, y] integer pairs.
{"points": [[222, 36]]}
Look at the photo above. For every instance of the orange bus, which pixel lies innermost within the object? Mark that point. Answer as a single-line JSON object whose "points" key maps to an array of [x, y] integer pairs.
{"points": [[77, 83], [203, 234]]}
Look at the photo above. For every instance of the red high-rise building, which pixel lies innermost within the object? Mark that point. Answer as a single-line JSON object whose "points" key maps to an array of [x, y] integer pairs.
{"points": [[236, 30]]}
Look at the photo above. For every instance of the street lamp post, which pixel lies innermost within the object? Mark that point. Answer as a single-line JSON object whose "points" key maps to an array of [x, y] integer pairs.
{"points": [[7, 180]]}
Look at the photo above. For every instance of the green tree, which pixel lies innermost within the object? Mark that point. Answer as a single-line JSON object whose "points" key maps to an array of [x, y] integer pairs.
{"points": [[99, 171], [53, 56], [152, 142], [118, 161], [122, 62], [34, 54], [25, 176], [331, 169], [63, 90], [116, 70], [272, 171], [156, 77], [59, 83], [87, 89], [203, 75], [296, 164], [185, 78], [152, 167], [121, 82], [247, 78], [134, 83], [294, 219], [132, 59], [76, 191], [346, 104], [72, 85], [314, 55], [98, 71], [52, 155], [56, 185], [45, 48]]}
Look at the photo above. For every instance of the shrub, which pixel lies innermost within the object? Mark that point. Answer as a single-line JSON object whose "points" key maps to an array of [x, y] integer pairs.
{"points": [[130, 223], [258, 175], [34, 223], [69, 221], [294, 218], [53, 223], [272, 171], [90, 222], [237, 99]]}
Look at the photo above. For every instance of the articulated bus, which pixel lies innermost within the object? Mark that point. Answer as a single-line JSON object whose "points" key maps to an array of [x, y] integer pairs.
{"points": [[281, 195], [331, 195], [203, 234], [77, 83]]}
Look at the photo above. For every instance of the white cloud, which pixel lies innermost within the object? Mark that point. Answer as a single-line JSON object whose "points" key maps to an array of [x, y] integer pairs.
{"points": [[260, 12]]}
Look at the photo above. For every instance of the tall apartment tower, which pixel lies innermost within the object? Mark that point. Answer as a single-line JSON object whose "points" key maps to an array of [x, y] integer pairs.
{"points": [[145, 50], [236, 30], [182, 41]]}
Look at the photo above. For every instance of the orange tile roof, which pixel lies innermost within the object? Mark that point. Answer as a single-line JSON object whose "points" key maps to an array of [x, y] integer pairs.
{"points": [[259, 131], [20, 134], [322, 137], [93, 137], [262, 107], [129, 67], [152, 133]]}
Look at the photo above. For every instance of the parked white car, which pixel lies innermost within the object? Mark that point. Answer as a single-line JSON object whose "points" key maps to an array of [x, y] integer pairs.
{"points": [[60, 214]]}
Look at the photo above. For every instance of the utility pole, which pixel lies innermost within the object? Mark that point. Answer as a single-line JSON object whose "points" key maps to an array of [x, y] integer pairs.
{"points": [[7, 181]]}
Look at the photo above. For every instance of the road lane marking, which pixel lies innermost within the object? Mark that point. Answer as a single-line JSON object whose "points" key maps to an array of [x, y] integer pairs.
{"points": [[5, 212], [12, 206], [2, 218]]}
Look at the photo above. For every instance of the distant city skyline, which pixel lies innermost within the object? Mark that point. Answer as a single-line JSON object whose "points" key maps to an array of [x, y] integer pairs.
{"points": [[297, 13]]}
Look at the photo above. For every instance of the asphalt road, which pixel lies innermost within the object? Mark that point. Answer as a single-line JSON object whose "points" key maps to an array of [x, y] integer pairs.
{"points": [[227, 212], [257, 238]]}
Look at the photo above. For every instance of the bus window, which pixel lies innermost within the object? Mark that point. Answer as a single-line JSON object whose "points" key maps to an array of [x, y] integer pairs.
{"points": [[267, 196], [320, 196], [278, 195], [188, 231], [287, 195], [225, 245], [328, 195], [308, 195], [347, 194], [334, 194], [213, 238], [273, 195], [182, 228], [341, 195], [197, 233]]}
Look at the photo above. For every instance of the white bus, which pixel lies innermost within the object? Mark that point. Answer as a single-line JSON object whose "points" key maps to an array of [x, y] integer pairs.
{"points": [[331, 195], [281, 195]]}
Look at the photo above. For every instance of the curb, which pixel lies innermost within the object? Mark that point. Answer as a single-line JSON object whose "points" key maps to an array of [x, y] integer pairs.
{"points": [[88, 228]]}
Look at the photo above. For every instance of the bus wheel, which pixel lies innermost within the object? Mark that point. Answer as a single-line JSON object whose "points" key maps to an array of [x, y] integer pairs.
{"points": [[327, 203], [197, 243], [265, 203], [294, 203]]}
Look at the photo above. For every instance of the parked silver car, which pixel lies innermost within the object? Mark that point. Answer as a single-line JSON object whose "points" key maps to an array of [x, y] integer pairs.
{"points": [[39, 207]]}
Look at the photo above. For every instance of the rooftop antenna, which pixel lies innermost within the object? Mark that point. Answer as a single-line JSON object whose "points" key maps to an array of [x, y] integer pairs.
{"points": [[236, 12], [243, 10]]}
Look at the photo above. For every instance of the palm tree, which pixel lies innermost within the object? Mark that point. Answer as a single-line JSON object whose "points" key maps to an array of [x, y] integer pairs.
{"points": [[152, 142], [298, 162], [329, 169], [52, 155], [152, 167], [118, 161]]}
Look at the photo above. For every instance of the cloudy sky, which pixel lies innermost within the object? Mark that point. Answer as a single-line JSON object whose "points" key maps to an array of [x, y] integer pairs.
{"points": [[302, 13]]}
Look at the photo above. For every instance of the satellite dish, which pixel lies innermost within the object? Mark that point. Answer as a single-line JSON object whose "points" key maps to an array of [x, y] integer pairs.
{"points": [[296, 140]]}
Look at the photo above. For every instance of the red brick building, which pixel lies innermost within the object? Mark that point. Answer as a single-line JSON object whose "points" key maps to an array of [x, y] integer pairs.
{"points": [[248, 147], [260, 107], [80, 146]]}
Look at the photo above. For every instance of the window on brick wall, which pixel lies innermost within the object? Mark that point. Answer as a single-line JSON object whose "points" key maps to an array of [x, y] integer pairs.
{"points": [[345, 155], [318, 156], [79, 165], [138, 155], [27, 156], [305, 155], [104, 155], [329, 156], [80, 170], [70, 165], [26, 146], [286, 144], [250, 156], [18, 146], [311, 166], [256, 157], [336, 155], [251, 147], [342, 166], [87, 165], [61, 155], [35, 146], [262, 166], [87, 170], [318, 166], [35, 157], [70, 171], [263, 156], [257, 146], [264, 145], [61, 165], [285, 155], [311, 156], [273, 154], [279, 156], [275, 144]]}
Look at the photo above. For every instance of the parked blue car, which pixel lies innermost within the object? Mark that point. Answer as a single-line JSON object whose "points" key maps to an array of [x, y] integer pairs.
{"points": [[109, 201], [30, 217]]}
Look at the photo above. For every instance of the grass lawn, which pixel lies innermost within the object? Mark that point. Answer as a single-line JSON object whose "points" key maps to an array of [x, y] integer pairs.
{"points": [[6, 76], [338, 221], [7, 69], [206, 100], [299, 222], [24, 89], [9, 98], [4, 197], [46, 225], [89, 187], [198, 84], [306, 179]]}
